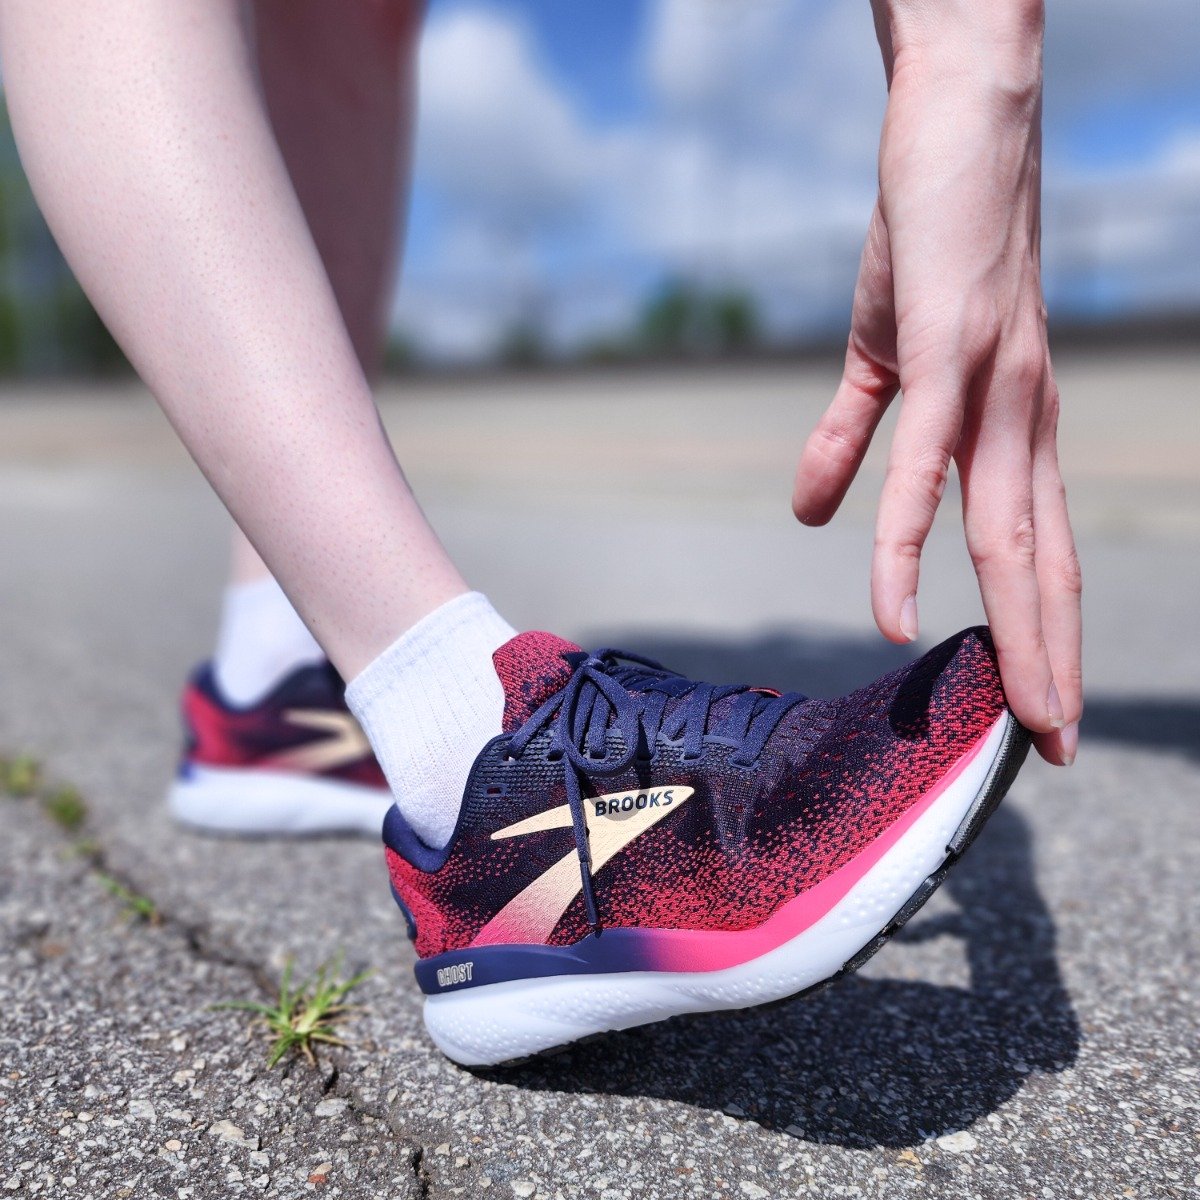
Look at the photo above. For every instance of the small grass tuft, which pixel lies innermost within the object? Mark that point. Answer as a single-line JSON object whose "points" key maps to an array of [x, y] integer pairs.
{"points": [[306, 1014], [66, 807], [20, 776], [137, 907], [87, 848]]}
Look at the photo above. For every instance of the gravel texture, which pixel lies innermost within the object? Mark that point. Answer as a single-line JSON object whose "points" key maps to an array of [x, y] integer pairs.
{"points": [[1032, 1033]]}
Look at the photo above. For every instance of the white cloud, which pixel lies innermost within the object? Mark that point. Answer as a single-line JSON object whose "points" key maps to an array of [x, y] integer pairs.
{"points": [[1181, 158], [462, 309], [1127, 233], [698, 51], [756, 163], [507, 157], [1118, 48], [495, 132], [760, 150], [779, 101], [771, 74]]}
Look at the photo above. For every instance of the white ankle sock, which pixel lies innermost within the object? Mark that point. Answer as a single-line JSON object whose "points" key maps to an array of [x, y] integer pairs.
{"points": [[261, 641], [428, 704]]}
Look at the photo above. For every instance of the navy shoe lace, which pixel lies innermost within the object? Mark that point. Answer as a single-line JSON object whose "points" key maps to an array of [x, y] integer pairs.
{"points": [[610, 690]]}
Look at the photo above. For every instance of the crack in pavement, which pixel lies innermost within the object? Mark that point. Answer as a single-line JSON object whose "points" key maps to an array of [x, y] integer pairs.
{"points": [[195, 939]]}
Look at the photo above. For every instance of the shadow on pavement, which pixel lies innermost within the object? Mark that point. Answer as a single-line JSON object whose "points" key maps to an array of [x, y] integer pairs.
{"points": [[1150, 722], [869, 1062]]}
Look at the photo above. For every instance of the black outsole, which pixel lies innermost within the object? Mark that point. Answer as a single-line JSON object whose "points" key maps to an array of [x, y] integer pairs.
{"points": [[1008, 761]]}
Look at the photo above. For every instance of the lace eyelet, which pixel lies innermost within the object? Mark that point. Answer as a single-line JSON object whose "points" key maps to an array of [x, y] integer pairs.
{"points": [[554, 756]]}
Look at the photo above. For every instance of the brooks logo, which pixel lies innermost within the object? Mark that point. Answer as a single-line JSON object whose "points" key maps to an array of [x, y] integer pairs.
{"points": [[631, 801]]}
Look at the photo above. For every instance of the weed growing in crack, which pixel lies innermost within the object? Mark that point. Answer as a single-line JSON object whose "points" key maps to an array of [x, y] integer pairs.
{"points": [[22, 779], [66, 807], [88, 849], [20, 776], [306, 1014], [137, 907]]}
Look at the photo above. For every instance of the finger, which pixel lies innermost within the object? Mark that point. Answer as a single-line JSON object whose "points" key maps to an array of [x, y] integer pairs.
{"points": [[836, 448], [998, 513], [1061, 586], [918, 467]]}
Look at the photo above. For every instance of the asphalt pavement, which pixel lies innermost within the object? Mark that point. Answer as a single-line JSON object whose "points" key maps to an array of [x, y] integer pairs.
{"points": [[1033, 1033]]}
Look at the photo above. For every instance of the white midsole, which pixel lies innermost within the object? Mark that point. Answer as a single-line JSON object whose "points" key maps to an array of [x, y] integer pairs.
{"points": [[233, 800], [494, 1023]]}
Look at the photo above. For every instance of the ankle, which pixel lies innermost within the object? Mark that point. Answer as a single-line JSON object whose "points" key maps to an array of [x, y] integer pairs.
{"points": [[260, 642], [429, 703]]}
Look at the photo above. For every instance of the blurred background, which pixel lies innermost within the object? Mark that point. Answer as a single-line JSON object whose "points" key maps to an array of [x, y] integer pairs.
{"points": [[631, 252], [632, 246], [633, 241], [633, 179]]}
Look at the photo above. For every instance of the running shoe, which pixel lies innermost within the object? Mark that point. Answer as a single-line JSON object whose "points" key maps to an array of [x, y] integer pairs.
{"points": [[637, 845], [295, 763]]}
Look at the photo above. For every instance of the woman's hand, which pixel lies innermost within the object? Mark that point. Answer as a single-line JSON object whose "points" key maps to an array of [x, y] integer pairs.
{"points": [[948, 308]]}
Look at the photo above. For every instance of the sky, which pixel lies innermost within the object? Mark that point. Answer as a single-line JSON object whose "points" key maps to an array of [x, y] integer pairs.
{"points": [[574, 155]]}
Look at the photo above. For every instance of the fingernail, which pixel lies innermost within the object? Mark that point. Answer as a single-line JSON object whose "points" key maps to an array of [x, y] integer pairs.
{"points": [[908, 618], [1054, 707], [1070, 743]]}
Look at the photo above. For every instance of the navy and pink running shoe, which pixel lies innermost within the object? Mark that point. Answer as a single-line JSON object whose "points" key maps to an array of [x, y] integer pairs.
{"points": [[637, 845], [295, 763]]}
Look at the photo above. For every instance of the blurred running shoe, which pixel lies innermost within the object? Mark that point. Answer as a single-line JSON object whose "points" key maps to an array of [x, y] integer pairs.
{"points": [[295, 763]]}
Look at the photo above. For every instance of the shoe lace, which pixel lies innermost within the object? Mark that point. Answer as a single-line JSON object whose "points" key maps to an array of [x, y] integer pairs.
{"points": [[610, 690]]}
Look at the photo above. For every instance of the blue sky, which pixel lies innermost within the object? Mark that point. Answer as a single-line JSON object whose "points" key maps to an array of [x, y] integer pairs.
{"points": [[573, 154], [1127, 128]]}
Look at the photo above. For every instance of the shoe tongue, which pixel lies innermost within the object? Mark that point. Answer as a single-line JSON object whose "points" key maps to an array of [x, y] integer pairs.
{"points": [[531, 669]]}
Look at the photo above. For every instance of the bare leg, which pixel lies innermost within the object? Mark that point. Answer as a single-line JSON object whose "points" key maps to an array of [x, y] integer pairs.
{"points": [[339, 86], [151, 155]]}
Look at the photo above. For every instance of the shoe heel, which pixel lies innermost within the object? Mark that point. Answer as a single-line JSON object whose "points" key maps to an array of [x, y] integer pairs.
{"points": [[506, 1023]]}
